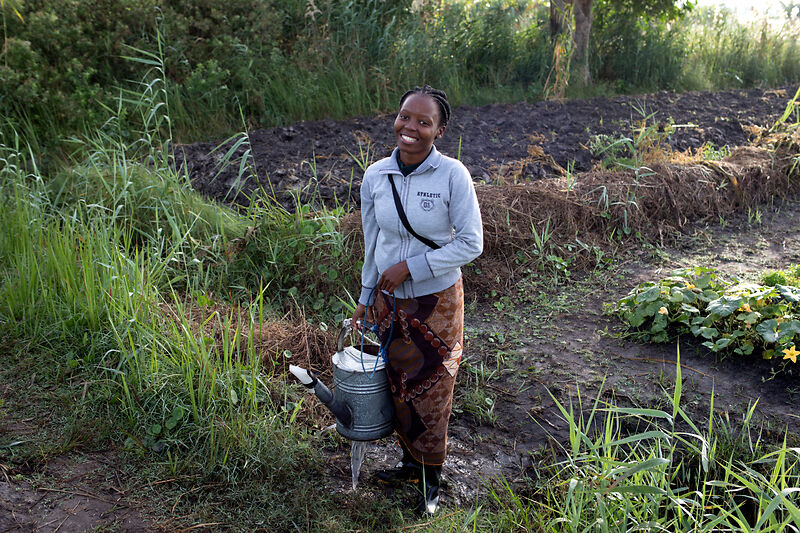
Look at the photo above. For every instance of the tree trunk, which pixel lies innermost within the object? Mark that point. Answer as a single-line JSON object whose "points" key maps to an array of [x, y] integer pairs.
{"points": [[583, 27], [558, 10]]}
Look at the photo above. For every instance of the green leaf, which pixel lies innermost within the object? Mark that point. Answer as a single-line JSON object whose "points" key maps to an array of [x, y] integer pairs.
{"points": [[749, 318], [722, 343], [745, 349], [659, 324], [155, 429], [171, 423], [768, 330], [707, 296], [724, 306], [649, 295], [676, 295], [234, 397], [178, 412], [708, 333], [690, 308], [652, 308], [789, 293]]}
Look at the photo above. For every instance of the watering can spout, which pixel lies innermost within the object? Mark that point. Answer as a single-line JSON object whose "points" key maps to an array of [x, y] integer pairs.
{"points": [[340, 410]]}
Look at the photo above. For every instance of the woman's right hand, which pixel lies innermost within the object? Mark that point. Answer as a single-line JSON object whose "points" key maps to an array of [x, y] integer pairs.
{"points": [[361, 313]]}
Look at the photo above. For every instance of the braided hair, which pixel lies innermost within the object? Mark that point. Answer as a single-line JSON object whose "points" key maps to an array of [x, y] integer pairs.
{"points": [[438, 96]]}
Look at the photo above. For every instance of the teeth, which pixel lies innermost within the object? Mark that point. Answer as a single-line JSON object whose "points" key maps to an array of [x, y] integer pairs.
{"points": [[408, 139]]}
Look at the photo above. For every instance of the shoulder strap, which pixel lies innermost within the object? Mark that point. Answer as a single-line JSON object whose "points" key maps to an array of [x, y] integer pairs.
{"points": [[402, 214]]}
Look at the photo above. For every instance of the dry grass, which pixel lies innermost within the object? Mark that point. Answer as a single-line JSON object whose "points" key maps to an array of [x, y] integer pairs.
{"points": [[273, 340]]}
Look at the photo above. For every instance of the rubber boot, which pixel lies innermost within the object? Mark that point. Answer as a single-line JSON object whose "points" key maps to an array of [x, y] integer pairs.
{"points": [[428, 498], [407, 469]]}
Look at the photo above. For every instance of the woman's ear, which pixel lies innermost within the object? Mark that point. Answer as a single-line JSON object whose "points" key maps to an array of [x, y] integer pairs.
{"points": [[440, 132]]}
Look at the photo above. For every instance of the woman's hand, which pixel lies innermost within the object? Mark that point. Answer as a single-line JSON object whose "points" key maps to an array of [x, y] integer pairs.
{"points": [[393, 276], [362, 312]]}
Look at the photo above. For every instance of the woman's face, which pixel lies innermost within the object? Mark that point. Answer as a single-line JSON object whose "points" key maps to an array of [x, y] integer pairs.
{"points": [[416, 127]]}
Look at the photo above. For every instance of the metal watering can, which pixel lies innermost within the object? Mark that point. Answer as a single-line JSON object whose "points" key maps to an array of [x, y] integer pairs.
{"points": [[363, 402]]}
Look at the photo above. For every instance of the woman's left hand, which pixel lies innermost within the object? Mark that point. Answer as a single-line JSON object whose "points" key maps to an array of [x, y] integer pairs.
{"points": [[393, 276]]}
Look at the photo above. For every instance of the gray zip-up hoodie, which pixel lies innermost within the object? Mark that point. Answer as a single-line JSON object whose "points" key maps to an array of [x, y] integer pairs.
{"points": [[440, 203]]}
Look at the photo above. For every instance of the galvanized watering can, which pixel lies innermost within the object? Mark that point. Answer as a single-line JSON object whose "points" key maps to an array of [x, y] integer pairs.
{"points": [[363, 402]]}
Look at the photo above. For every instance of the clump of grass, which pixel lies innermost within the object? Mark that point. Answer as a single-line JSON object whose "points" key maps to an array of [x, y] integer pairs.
{"points": [[631, 468]]}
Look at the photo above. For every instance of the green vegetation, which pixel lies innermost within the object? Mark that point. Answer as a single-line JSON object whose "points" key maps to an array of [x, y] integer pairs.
{"points": [[65, 64], [733, 317]]}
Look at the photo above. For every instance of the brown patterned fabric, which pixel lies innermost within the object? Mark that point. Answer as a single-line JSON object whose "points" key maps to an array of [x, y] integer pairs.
{"points": [[423, 357]]}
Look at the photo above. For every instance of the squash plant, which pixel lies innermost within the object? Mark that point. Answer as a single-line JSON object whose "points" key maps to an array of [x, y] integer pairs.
{"points": [[731, 317]]}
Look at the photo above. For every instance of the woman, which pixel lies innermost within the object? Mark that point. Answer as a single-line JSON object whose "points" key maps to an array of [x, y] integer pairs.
{"points": [[413, 290]]}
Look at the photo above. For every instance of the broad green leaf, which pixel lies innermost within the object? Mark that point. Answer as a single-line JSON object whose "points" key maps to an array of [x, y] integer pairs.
{"points": [[636, 319], [708, 333], [749, 318], [745, 349], [722, 343], [789, 293], [788, 329], [724, 305], [649, 295], [767, 329], [708, 296]]}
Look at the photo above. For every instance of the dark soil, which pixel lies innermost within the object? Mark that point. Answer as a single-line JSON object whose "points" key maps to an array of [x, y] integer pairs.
{"points": [[495, 142]]}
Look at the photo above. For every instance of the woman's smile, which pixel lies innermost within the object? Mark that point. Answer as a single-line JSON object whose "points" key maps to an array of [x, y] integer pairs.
{"points": [[416, 127]]}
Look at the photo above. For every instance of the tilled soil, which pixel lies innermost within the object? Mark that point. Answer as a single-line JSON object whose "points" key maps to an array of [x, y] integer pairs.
{"points": [[323, 159]]}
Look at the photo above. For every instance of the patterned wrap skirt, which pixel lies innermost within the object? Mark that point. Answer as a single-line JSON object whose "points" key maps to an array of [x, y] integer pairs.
{"points": [[425, 337]]}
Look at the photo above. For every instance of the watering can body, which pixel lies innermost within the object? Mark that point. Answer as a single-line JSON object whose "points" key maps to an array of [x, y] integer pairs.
{"points": [[368, 396], [362, 402]]}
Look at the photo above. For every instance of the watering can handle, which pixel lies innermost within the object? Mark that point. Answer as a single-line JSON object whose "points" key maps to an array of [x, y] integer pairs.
{"points": [[347, 326]]}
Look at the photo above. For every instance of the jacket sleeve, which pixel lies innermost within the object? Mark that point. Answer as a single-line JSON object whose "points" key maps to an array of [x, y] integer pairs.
{"points": [[467, 243], [369, 225]]}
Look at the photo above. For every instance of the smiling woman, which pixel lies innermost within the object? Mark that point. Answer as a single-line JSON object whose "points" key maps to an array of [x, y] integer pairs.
{"points": [[421, 224]]}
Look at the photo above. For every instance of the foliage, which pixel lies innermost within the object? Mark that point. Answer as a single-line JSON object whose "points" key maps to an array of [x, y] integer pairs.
{"points": [[788, 276], [646, 143], [730, 317], [63, 63], [661, 469]]}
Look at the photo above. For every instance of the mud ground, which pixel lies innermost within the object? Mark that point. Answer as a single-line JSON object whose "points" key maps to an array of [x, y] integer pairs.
{"points": [[520, 347]]}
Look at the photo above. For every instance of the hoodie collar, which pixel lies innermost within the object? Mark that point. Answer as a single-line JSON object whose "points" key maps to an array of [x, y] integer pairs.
{"points": [[432, 161]]}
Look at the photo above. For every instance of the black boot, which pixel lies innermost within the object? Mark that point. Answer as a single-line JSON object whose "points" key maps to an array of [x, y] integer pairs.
{"points": [[403, 471], [408, 469], [428, 499]]}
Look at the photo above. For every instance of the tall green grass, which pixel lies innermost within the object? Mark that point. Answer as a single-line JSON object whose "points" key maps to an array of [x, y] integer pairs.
{"points": [[648, 469], [114, 270]]}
